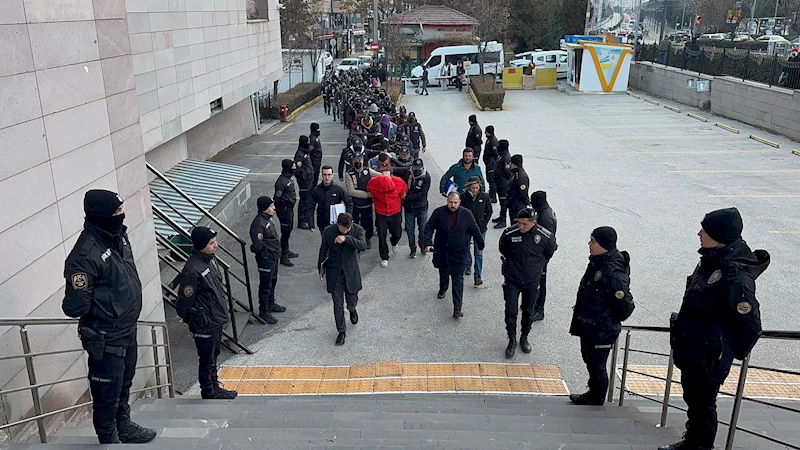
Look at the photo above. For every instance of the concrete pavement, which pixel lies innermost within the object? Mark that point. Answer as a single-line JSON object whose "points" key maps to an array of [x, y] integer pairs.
{"points": [[604, 160]]}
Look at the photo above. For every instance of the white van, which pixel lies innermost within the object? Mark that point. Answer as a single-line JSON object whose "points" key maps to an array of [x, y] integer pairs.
{"points": [[550, 59], [493, 60]]}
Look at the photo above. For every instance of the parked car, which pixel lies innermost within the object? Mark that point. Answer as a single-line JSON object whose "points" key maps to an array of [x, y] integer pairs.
{"points": [[349, 64], [555, 59], [795, 43], [366, 61], [714, 36], [742, 37], [772, 38]]}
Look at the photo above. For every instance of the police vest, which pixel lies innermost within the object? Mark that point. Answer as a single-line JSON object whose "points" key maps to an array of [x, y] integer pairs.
{"points": [[413, 134], [360, 180]]}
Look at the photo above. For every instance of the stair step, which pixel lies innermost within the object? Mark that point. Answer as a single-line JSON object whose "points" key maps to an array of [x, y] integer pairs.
{"points": [[241, 322]]}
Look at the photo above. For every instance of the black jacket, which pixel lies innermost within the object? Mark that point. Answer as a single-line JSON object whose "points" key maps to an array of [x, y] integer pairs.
{"points": [[525, 254], [305, 169], [201, 294], [604, 298], [266, 241], [490, 155], [103, 286], [337, 258], [417, 196], [474, 139], [322, 197], [316, 151], [451, 247], [345, 161], [285, 192], [502, 172], [480, 206], [720, 318], [518, 190], [547, 218]]}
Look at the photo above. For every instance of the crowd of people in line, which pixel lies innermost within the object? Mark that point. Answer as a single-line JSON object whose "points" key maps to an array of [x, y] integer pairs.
{"points": [[385, 184]]}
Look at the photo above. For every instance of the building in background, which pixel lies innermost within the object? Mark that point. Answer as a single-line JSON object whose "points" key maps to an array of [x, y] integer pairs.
{"points": [[91, 90], [431, 27]]}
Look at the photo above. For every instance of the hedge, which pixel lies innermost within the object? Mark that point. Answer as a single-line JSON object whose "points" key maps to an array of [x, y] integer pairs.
{"points": [[295, 98], [488, 93]]}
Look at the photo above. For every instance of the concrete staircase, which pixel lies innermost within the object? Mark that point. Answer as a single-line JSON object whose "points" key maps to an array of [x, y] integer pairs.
{"points": [[384, 421]]}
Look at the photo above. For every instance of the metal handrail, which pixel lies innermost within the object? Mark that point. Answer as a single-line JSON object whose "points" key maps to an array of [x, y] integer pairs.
{"points": [[216, 222], [738, 396], [33, 385]]}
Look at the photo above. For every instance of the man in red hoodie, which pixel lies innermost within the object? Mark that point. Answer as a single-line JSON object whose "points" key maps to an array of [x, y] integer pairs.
{"points": [[388, 192]]}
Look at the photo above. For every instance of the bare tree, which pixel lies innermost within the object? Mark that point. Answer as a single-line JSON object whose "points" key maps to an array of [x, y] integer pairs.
{"points": [[299, 23], [491, 26]]}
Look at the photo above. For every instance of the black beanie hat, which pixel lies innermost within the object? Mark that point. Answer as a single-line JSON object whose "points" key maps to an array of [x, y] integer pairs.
{"points": [[606, 237], [287, 164], [101, 203], [723, 225], [303, 141], [527, 213], [314, 127], [473, 119], [201, 236], [502, 144], [539, 200], [517, 160], [490, 129], [263, 203]]}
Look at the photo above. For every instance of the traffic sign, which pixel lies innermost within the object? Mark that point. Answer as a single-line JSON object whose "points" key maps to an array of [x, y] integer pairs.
{"points": [[374, 46]]}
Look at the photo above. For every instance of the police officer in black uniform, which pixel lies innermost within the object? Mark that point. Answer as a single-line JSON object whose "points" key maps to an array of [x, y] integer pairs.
{"points": [[323, 196], [345, 158], [316, 151], [356, 187], [719, 320], [304, 173], [415, 205], [546, 217], [416, 135], [490, 155], [285, 198], [201, 304], [502, 178], [474, 137], [604, 300], [266, 245], [517, 196], [525, 247], [104, 291]]}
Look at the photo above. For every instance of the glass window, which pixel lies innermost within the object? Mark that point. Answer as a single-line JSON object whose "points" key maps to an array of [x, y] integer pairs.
{"points": [[434, 61], [453, 59], [550, 58], [563, 59], [540, 59], [491, 57]]}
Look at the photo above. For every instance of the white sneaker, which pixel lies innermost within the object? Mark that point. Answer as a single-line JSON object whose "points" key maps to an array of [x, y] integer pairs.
{"points": [[384, 263], [395, 248]]}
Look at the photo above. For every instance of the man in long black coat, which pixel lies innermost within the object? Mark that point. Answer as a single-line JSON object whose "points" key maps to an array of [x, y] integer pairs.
{"points": [[453, 226], [338, 266]]}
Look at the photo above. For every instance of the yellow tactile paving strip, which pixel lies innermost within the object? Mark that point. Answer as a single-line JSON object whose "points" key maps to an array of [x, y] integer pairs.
{"points": [[760, 383], [395, 377]]}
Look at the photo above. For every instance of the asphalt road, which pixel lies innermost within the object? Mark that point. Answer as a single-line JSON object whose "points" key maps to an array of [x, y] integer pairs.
{"points": [[604, 160]]}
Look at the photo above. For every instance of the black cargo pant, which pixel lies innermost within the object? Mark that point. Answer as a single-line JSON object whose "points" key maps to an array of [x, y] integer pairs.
{"points": [[286, 218], [511, 294], [362, 215], [492, 184], [302, 214], [515, 205], [502, 198], [317, 166], [700, 395], [341, 295], [208, 347], [388, 225], [267, 279], [458, 286], [595, 356], [110, 381], [542, 290]]}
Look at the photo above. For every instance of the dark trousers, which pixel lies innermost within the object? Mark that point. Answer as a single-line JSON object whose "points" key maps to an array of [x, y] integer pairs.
{"points": [[515, 206], [419, 218], [458, 286], [502, 198], [326, 102], [595, 356], [424, 88], [208, 347], [316, 174], [363, 217], [700, 396], [267, 279], [542, 290], [394, 226], [511, 294], [492, 184], [110, 381], [302, 216], [286, 218], [476, 154], [340, 296]]}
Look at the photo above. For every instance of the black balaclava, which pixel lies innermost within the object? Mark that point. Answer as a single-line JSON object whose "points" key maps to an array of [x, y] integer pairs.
{"points": [[100, 206], [286, 166]]}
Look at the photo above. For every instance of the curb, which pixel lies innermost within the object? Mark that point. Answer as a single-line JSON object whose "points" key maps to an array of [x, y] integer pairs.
{"points": [[302, 108], [481, 108]]}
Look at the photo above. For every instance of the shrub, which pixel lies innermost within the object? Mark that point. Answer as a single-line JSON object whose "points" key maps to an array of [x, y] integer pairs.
{"points": [[394, 89], [295, 98], [488, 93]]}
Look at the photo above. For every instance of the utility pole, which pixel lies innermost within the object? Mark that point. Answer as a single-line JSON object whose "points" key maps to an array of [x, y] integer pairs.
{"points": [[588, 16], [776, 8], [375, 21], [663, 22], [753, 17], [683, 15]]}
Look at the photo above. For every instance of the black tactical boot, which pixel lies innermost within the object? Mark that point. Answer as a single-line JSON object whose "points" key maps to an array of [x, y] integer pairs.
{"points": [[369, 243], [286, 262], [132, 433], [353, 317], [537, 316], [584, 399], [267, 317], [340, 338], [457, 313], [512, 347], [684, 444], [524, 344], [291, 254], [218, 393], [497, 219], [468, 271], [113, 439], [478, 280], [500, 225], [276, 308]]}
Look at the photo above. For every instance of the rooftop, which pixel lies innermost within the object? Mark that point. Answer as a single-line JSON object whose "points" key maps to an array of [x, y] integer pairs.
{"points": [[432, 15]]}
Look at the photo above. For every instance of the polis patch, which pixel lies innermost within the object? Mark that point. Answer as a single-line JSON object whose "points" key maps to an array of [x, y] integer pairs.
{"points": [[619, 294], [744, 308], [715, 276], [80, 282], [188, 291], [598, 275], [537, 238]]}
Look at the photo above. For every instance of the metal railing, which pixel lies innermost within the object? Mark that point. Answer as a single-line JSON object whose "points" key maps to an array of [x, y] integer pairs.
{"points": [[733, 426], [29, 355]]}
